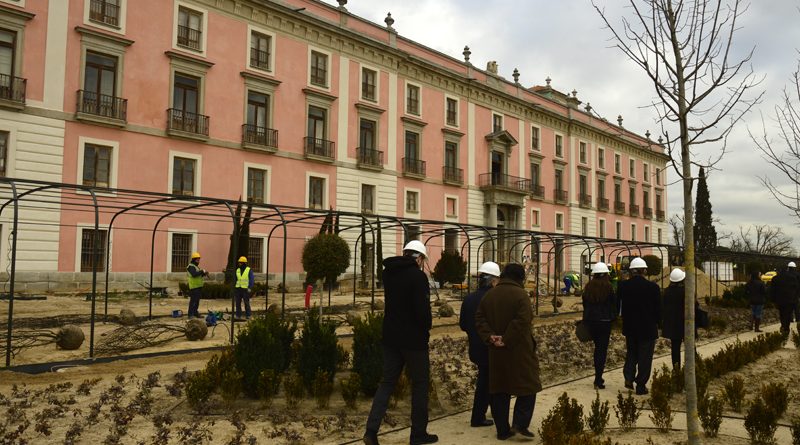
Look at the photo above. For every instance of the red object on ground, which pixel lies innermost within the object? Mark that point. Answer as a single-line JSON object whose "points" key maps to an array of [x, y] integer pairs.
{"points": [[309, 288]]}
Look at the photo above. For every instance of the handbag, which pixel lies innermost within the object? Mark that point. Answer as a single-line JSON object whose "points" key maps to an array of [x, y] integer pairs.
{"points": [[701, 319], [582, 331]]}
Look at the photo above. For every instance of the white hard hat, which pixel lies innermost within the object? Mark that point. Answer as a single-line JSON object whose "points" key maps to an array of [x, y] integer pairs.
{"points": [[490, 268], [416, 246], [638, 263], [791, 264], [599, 268], [677, 275]]}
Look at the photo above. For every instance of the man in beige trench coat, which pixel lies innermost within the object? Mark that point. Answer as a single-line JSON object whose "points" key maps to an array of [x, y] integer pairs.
{"points": [[504, 321]]}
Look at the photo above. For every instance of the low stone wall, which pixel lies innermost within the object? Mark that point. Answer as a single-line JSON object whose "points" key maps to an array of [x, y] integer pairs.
{"points": [[28, 282]]}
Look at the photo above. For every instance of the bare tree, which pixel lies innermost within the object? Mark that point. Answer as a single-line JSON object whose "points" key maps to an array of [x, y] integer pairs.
{"points": [[763, 239], [784, 154], [701, 89], [676, 225]]}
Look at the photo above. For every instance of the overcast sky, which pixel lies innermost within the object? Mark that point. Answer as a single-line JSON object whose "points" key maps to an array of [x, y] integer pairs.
{"points": [[566, 40]]}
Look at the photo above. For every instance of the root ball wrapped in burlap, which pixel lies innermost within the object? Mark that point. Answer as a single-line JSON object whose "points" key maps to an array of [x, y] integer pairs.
{"points": [[196, 329], [127, 317], [70, 337]]}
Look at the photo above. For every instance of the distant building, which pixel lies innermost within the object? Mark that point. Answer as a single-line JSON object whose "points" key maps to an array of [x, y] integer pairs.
{"points": [[303, 104]]}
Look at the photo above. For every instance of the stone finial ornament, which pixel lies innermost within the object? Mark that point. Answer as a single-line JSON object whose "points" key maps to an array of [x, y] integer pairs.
{"points": [[647, 134], [516, 75], [660, 140], [466, 53], [575, 93], [548, 80], [588, 107], [619, 120], [389, 20], [341, 4], [491, 66]]}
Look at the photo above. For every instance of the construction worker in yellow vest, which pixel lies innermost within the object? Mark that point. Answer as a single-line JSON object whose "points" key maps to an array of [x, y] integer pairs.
{"points": [[195, 280], [245, 280]]}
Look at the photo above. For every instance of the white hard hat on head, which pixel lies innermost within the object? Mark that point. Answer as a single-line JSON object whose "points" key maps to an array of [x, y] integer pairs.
{"points": [[676, 275], [416, 246], [791, 264], [489, 268], [598, 268], [638, 263]]}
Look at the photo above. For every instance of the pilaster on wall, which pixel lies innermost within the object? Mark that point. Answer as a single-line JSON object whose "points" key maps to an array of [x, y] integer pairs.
{"points": [[56, 54]]}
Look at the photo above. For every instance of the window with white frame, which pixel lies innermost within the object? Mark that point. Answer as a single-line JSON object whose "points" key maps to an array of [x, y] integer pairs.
{"points": [[260, 51], [559, 145], [617, 163], [535, 138], [497, 122], [601, 228], [89, 252], [181, 251], [601, 158], [412, 201], [658, 176], [369, 84], [646, 234], [584, 226], [184, 172], [451, 111], [190, 28], [367, 199], [559, 221], [97, 165], [316, 192], [412, 99], [451, 240], [659, 236], [106, 12], [618, 231], [535, 215], [582, 152], [632, 167], [4, 138], [256, 185], [451, 207], [255, 253], [319, 69], [646, 173], [633, 232]]}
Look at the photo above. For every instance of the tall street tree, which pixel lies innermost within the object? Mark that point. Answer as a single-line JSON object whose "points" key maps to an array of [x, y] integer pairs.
{"points": [[702, 89], [705, 236]]}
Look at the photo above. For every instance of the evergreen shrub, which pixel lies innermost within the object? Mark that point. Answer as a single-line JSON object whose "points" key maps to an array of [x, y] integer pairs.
{"points": [[317, 350], [368, 352]]}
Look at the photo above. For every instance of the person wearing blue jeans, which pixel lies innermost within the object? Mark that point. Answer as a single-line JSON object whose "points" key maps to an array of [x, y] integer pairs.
{"points": [[245, 281]]}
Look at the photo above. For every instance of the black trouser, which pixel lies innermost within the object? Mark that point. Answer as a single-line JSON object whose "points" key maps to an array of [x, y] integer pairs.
{"points": [[241, 294], [523, 411], [418, 365], [676, 350], [194, 301], [786, 312], [481, 401], [601, 333], [638, 360]]}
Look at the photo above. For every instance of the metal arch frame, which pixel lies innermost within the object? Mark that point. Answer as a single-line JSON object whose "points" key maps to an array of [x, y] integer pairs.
{"points": [[16, 198]]}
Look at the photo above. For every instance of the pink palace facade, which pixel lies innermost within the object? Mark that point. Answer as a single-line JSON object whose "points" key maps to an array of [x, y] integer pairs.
{"points": [[296, 103]]}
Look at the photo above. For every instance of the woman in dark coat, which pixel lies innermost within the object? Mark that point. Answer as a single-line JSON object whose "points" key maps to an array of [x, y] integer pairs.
{"points": [[757, 295], [599, 310]]}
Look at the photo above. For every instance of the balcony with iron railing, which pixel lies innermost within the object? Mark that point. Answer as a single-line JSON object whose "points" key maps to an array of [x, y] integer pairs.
{"points": [[101, 108], [12, 91], [369, 158], [602, 203], [104, 11], [452, 175], [660, 215], [189, 37], [537, 191], [413, 167], [259, 138], [585, 201], [634, 209], [619, 207], [504, 182], [185, 124], [648, 212], [318, 149], [560, 196], [259, 59]]}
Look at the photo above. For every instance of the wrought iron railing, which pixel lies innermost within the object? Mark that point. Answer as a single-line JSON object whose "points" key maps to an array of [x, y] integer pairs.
{"points": [[585, 200], [369, 157], [560, 195], [504, 181], [453, 174], [259, 59], [253, 134], [602, 203], [414, 166], [103, 105], [180, 120], [619, 206], [189, 37], [318, 147], [634, 209], [12, 88], [537, 190], [104, 11]]}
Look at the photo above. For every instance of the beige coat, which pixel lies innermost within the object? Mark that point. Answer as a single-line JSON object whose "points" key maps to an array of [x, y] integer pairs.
{"points": [[514, 368]]}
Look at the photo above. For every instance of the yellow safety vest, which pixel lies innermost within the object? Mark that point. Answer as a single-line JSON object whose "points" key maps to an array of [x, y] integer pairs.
{"points": [[194, 282], [243, 278]]}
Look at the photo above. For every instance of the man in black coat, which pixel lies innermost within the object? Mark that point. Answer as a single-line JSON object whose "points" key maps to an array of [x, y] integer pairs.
{"points": [[641, 311], [488, 276], [406, 331], [785, 288]]}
